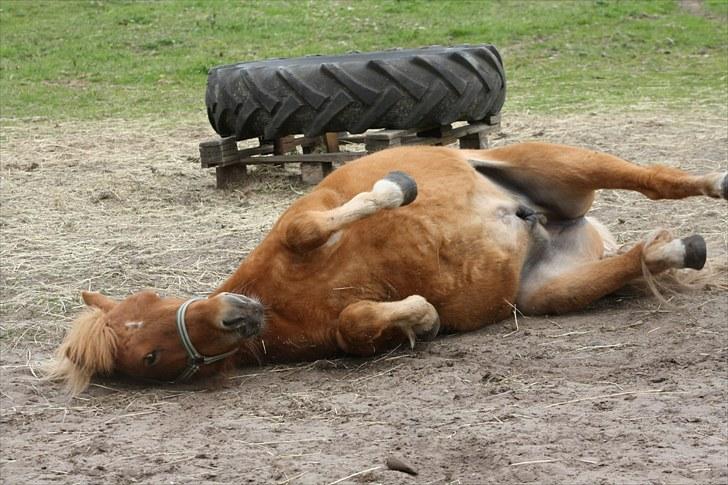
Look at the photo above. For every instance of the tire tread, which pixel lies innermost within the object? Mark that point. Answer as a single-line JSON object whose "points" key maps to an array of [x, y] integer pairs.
{"points": [[401, 89]]}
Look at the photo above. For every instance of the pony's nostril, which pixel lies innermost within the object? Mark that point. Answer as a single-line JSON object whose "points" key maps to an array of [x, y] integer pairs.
{"points": [[245, 326], [242, 314], [234, 322]]}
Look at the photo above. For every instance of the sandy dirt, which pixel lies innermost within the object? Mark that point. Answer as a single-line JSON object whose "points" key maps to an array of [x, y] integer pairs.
{"points": [[629, 391]]}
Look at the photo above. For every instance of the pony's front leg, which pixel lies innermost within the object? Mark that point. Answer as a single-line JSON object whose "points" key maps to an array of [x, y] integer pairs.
{"points": [[310, 229], [367, 327]]}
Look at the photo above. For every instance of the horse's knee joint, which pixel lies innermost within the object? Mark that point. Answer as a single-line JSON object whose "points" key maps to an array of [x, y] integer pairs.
{"points": [[304, 234]]}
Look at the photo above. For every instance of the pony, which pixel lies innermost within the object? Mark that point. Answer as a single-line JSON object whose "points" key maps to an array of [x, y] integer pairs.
{"points": [[393, 248]]}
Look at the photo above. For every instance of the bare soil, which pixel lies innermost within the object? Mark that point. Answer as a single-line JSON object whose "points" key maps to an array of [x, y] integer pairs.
{"points": [[629, 391]]}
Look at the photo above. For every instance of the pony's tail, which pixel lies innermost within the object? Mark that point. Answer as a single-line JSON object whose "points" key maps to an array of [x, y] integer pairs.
{"points": [[677, 282]]}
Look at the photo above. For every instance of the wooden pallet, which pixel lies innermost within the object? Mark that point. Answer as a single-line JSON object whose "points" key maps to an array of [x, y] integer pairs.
{"points": [[320, 153]]}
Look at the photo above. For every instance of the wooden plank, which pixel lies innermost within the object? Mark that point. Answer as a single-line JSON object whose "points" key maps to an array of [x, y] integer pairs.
{"points": [[218, 142], [474, 128], [284, 145], [306, 158], [476, 141], [260, 150], [430, 141], [314, 171], [231, 176], [373, 145], [322, 151], [491, 122], [235, 157], [386, 135], [331, 140], [224, 151], [411, 136], [493, 119], [358, 138], [214, 152], [290, 142]]}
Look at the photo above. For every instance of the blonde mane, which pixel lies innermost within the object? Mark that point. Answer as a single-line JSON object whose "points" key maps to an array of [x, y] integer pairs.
{"points": [[88, 349]]}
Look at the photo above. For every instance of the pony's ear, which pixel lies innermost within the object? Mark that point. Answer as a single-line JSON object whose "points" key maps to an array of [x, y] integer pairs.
{"points": [[97, 300]]}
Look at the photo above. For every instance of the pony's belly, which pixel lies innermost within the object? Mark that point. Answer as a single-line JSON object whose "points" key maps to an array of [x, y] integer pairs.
{"points": [[485, 265], [482, 293]]}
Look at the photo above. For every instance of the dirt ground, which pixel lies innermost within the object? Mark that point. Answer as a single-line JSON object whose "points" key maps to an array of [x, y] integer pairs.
{"points": [[630, 391]]}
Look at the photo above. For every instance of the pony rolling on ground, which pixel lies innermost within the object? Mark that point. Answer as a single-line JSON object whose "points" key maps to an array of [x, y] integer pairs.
{"points": [[395, 247]]}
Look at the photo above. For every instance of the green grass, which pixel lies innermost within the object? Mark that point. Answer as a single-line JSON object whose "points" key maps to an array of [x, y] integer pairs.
{"points": [[97, 59], [717, 7]]}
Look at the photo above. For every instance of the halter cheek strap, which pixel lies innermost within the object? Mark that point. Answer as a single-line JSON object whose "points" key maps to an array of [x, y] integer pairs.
{"points": [[194, 358]]}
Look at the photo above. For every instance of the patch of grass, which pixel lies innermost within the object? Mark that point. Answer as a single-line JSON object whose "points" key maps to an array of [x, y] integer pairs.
{"points": [[99, 59], [717, 7]]}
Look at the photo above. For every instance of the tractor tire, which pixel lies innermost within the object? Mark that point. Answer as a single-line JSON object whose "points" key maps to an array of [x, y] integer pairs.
{"points": [[397, 89]]}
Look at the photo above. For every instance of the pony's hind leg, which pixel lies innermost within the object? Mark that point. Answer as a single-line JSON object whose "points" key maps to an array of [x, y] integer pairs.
{"points": [[559, 284], [561, 180], [367, 327]]}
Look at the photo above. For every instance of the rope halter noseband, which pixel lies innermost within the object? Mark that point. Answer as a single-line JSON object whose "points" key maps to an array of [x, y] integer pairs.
{"points": [[194, 358]]}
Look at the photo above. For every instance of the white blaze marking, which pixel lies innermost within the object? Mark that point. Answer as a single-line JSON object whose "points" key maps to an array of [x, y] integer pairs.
{"points": [[134, 325]]}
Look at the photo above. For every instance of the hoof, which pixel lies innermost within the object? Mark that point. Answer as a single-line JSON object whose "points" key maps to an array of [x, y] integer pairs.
{"points": [[406, 183], [695, 252], [430, 333]]}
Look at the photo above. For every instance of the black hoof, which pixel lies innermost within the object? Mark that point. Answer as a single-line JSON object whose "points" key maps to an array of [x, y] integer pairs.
{"points": [[695, 252], [406, 183]]}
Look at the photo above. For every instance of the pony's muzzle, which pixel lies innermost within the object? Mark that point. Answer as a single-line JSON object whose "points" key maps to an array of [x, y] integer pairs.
{"points": [[242, 314]]}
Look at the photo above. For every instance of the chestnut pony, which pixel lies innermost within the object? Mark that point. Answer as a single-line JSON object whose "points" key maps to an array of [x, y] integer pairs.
{"points": [[394, 247]]}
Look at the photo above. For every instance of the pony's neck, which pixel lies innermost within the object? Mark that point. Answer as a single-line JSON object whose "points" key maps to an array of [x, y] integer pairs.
{"points": [[244, 280], [240, 282], [259, 276]]}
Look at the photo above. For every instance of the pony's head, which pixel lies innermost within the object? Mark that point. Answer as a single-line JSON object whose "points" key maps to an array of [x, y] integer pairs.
{"points": [[149, 337]]}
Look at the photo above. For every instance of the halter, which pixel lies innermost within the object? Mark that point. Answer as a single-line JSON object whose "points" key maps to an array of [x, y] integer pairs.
{"points": [[194, 358]]}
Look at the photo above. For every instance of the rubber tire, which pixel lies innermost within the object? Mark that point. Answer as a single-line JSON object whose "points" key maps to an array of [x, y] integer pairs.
{"points": [[398, 89]]}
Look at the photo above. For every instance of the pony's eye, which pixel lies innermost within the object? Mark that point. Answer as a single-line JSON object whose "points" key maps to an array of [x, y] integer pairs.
{"points": [[151, 358]]}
